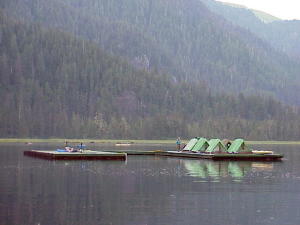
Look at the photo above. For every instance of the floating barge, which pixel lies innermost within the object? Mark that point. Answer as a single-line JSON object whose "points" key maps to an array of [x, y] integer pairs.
{"points": [[216, 156], [225, 156], [198, 148], [85, 155], [216, 149]]}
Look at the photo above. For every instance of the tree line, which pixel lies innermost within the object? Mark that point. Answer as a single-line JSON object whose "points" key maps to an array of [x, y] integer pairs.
{"points": [[53, 84]]}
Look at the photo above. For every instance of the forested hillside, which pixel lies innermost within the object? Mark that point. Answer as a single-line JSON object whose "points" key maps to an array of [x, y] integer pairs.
{"points": [[178, 37], [55, 85], [283, 35]]}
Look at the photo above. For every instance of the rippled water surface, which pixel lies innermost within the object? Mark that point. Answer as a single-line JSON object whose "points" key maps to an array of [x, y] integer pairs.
{"points": [[148, 190]]}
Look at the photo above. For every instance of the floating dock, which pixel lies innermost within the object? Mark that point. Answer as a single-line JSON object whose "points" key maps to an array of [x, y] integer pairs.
{"points": [[114, 155], [85, 155], [212, 156], [215, 149], [138, 152], [225, 156]]}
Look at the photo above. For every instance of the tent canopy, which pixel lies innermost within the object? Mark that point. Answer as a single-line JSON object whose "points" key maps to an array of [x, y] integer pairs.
{"points": [[215, 145], [191, 144], [238, 145], [201, 145], [226, 143]]}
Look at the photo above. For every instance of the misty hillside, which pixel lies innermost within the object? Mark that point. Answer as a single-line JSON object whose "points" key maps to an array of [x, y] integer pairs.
{"points": [[283, 35], [263, 16], [180, 38], [55, 85]]}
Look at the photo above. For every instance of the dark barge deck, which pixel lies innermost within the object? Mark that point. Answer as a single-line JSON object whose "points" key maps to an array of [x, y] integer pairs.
{"points": [[86, 155], [122, 155], [226, 156]]}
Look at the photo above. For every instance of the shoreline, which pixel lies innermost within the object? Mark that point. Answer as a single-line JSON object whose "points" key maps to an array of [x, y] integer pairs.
{"points": [[130, 141]]}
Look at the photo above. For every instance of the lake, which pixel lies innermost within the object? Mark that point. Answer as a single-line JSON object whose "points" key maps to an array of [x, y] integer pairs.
{"points": [[148, 190]]}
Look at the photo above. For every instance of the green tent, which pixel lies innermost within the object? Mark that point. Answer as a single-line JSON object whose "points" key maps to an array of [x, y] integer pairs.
{"points": [[201, 145], [238, 145], [215, 145], [191, 144]]}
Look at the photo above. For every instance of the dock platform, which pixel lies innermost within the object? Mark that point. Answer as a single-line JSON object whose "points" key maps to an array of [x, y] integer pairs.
{"points": [[227, 156], [138, 152], [122, 155], [248, 157], [86, 155]]}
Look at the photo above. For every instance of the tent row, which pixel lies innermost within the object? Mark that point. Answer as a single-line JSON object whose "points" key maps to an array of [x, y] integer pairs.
{"points": [[200, 144]]}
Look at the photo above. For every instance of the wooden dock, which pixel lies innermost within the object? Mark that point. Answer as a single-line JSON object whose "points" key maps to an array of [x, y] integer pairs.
{"points": [[186, 155], [86, 155], [248, 157], [138, 152], [122, 155], [226, 156]]}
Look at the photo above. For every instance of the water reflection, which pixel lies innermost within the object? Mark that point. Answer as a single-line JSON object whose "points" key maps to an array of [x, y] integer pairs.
{"points": [[148, 190], [215, 170]]}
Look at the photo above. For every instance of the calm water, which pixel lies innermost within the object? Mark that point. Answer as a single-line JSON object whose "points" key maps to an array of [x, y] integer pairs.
{"points": [[147, 190]]}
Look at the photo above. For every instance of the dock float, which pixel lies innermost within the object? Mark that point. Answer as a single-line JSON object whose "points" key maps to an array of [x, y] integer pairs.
{"points": [[248, 157], [137, 152], [212, 156], [225, 156], [86, 155]]}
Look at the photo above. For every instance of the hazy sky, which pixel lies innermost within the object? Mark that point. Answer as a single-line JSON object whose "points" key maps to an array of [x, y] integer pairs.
{"points": [[284, 9]]}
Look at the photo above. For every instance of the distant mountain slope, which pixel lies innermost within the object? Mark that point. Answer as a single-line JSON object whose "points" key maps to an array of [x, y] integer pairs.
{"points": [[55, 85], [264, 17], [283, 35], [181, 38]]}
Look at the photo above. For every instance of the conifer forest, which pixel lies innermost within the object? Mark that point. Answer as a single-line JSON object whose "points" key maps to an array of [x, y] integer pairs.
{"points": [[140, 69]]}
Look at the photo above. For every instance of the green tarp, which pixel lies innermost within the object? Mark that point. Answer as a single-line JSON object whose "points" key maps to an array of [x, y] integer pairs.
{"points": [[238, 145], [215, 145], [201, 145], [191, 144]]}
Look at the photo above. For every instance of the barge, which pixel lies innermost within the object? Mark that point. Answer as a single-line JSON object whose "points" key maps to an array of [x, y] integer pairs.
{"points": [[225, 156], [197, 148], [216, 149], [85, 155]]}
